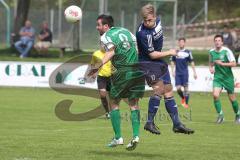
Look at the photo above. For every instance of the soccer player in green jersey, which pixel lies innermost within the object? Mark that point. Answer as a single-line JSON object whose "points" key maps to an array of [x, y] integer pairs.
{"points": [[127, 81], [221, 60]]}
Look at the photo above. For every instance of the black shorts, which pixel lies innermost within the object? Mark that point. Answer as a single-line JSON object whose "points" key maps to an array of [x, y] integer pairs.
{"points": [[104, 83]]}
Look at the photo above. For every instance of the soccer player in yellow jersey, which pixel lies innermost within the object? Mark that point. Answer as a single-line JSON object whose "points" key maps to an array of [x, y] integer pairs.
{"points": [[103, 78]]}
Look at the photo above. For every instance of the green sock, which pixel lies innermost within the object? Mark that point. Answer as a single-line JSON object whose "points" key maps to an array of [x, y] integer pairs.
{"points": [[116, 122], [135, 117], [218, 107], [235, 107]]}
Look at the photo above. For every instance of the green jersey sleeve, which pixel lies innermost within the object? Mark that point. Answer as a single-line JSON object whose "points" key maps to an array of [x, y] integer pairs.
{"points": [[107, 42], [230, 55]]}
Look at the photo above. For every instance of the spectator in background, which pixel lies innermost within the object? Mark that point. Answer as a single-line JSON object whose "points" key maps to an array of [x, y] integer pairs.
{"points": [[44, 39], [26, 41], [227, 37]]}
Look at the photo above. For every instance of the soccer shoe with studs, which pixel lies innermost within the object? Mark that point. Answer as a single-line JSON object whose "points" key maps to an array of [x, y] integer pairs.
{"points": [[183, 102], [181, 128], [237, 119], [115, 142], [151, 127], [107, 115], [132, 144], [220, 119]]}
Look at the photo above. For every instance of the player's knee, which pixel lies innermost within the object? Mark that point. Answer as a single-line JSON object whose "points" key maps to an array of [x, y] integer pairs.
{"points": [[232, 97], [102, 93], [178, 88], [215, 96], [134, 108], [114, 107], [168, 94]]}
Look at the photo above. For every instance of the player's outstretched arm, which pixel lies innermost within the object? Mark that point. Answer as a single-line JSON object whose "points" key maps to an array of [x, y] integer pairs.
{"points": [[157, 54]]}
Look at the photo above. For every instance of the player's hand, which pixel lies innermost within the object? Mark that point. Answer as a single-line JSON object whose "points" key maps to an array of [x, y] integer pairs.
{"points": [[211, 69], [219, 62], [172, 52], [94, 75], [195, 76]]}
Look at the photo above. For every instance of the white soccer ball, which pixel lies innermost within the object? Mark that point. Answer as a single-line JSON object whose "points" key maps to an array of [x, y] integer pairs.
{"points": [[73, 14]]}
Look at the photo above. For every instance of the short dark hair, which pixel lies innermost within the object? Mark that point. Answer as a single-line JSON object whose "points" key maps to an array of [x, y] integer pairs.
{"points": [[106, 19], [218, 36], [182, 38]]}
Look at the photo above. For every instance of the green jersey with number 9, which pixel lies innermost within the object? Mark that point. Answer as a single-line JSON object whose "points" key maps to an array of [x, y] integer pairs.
{"points": [[127, 79], [124, 43]]}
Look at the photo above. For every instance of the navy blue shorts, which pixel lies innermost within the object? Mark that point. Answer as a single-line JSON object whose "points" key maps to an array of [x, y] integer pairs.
{"points": [[181, 80], [154, 72]]}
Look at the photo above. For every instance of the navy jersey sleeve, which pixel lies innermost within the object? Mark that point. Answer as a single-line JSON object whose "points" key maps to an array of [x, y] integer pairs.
{"points": [[145, 43]]}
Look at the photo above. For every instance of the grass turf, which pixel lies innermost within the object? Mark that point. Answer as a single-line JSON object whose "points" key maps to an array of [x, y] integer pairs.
{"points": [[31, 131]]}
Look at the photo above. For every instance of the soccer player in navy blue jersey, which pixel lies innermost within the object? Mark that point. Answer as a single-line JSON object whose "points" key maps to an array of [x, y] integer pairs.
{"points": [[179, 65], [150, 41]]}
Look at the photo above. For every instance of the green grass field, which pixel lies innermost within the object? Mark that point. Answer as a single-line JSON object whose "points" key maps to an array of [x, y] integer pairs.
{"points": [[31, 131]]}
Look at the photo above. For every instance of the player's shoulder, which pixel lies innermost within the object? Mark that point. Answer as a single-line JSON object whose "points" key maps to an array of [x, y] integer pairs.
{"points": [[211, 50], [141, 31], [187, 51], [105, 38], [226, 49]]}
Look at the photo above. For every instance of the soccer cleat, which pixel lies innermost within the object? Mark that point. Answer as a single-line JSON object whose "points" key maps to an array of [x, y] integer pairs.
{"points": [[151, 127], [108, 115], [237, 119], [115, 142], [182, 129], [132, 144], [183, 102], [220, 119]]}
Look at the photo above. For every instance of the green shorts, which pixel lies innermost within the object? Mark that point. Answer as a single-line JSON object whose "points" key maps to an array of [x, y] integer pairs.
{"points": [[127, 84], [227, 84]]}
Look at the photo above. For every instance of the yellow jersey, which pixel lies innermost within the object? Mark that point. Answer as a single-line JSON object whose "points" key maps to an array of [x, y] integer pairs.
{"points": [[106, 69]]}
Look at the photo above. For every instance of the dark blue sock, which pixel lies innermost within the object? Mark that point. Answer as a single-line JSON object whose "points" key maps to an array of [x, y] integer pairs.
{"points": [[186, 97], [153, 105], [172, 110]]}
